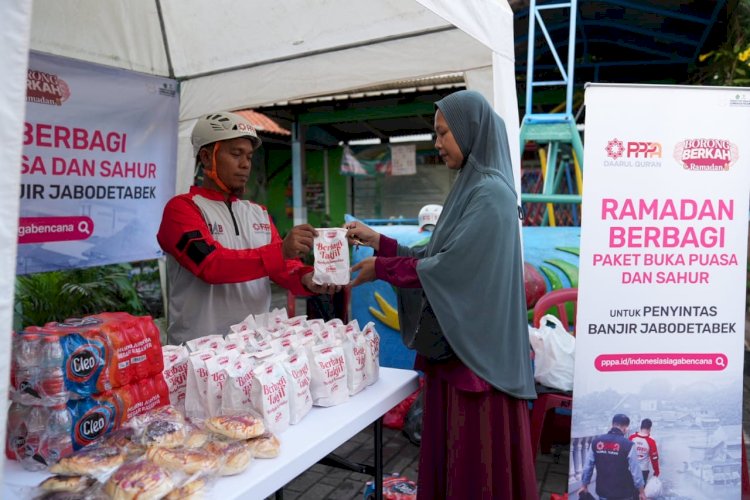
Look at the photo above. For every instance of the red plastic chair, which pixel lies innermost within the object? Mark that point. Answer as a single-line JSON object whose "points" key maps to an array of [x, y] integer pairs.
{"points": [[547, 401]]}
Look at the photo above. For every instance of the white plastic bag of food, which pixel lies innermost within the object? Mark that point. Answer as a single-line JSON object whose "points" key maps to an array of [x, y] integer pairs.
{"points": [[206, 342], [237, 396], [554, 353], [197, 380], [354, 346], [270, 394], [331, 252], [298, 371], [217, 376], [653, 487], [175, 373], [372, 364], [328, 376]]}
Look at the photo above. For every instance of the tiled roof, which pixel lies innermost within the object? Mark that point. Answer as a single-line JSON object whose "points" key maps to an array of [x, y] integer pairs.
{"points": [[262, 123]]}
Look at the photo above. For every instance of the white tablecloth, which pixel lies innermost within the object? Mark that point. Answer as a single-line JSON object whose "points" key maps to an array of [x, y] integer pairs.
{"points": [[302, 445]]}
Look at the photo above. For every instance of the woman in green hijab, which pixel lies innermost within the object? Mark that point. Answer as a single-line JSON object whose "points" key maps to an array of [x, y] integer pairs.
{"points": [[472, 334]]}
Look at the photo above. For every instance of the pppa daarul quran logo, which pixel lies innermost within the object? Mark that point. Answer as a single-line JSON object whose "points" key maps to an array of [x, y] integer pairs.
{"points": [[706, 155], [46, 88], [632, 153]]}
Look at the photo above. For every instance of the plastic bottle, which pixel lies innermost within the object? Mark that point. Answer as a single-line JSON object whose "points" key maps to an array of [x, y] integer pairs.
{"points": [[36, 424], [59, 421], [17, 431], [28, 353], [52, 352], [52, 386], [58, 441]]}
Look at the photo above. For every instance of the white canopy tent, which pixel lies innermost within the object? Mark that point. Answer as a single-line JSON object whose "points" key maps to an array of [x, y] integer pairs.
{"points": [[230, 55]]}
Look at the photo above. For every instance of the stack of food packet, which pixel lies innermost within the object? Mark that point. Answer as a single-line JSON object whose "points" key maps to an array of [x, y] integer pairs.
{"points": [[162, 454], [274, 365], [74, 381]]}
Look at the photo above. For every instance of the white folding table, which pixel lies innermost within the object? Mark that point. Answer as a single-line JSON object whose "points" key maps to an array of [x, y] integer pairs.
{"points": [[319, 433]]}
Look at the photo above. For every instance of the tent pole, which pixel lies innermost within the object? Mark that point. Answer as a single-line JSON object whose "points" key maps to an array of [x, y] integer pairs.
{"points": [[298, 168]]}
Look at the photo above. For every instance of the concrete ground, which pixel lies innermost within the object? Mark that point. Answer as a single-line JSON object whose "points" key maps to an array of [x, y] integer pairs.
{"points": [[402, 457]]}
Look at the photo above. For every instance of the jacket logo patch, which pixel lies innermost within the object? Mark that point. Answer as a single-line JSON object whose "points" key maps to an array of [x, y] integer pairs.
{"points": [[215, 228], [261, 227]]}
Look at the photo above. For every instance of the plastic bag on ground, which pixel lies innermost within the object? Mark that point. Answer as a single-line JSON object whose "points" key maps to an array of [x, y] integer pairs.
{"points": [[554, 353]]}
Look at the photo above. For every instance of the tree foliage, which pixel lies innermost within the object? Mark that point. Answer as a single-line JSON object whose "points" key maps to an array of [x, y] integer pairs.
{"points": [[58, 295], [729, 63]]}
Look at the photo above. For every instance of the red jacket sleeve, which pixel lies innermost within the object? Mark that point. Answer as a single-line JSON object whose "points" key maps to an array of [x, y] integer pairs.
{"points": [[653, 455], [184, 234], [290, 275]]}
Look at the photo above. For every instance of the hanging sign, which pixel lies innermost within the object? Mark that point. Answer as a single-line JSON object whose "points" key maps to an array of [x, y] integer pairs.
{"points": [[98, 164]]}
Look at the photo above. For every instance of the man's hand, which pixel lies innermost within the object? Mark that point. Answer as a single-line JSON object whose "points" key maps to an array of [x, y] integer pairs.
{"points": [[583, 489], [642, 494], [366, 268], [298, 242], [361, 234], [326, 289]]}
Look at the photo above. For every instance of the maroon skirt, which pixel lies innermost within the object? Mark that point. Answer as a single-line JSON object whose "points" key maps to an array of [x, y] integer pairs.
{"points": [[475, 439]]}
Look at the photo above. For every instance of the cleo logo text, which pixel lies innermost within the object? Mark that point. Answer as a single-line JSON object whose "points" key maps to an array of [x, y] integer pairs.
{"points": [[83, 362]]}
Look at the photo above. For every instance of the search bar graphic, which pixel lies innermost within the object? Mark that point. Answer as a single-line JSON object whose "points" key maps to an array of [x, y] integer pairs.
{"points": [[661, 362], [49, 229]]}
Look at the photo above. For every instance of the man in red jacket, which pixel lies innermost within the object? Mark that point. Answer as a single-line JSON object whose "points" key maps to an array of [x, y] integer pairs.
{"points": [[645, 448], [223, 251]]}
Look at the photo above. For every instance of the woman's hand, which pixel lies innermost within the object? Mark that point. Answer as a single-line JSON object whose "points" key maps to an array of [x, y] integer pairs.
{"points": [[366, 268], [361, 234], [313, 287]]}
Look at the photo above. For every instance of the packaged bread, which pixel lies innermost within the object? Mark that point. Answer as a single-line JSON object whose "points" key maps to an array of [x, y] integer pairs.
{"points": [[124, 439], [187, 460], [265, 446], [195, 437], [141, 479], [90, 461], [72, 484], [164, 433], [192, 489], [241, 426], [235, 456]]}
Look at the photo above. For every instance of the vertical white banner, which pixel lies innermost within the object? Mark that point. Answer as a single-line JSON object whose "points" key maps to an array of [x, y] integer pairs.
{"points": [[98, 164], [661, 317]]}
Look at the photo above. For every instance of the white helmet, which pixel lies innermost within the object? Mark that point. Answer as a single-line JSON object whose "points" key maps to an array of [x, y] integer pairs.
{"points": [[428, 217], [221, 127]]}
